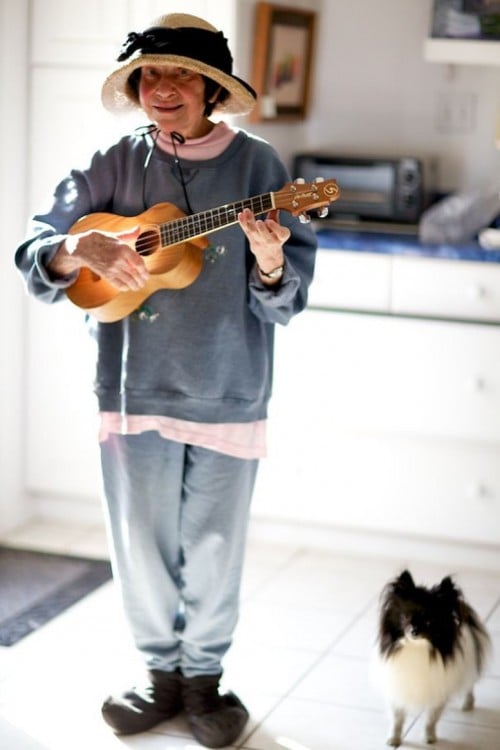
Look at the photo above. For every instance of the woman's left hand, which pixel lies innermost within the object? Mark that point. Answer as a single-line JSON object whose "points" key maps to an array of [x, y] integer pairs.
{"points": [[266, 238]]}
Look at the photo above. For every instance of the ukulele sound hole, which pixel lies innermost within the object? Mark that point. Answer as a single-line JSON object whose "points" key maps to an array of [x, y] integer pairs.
{"points": [[147, 242]]}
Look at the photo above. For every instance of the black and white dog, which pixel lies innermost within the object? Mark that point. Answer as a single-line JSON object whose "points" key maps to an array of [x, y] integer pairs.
{"points": [[431, 646]]}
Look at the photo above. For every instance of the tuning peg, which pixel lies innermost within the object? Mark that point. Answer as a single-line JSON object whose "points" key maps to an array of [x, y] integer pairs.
{"points": [[304, 218], [299, 181], [319, 179], [322, 212]]}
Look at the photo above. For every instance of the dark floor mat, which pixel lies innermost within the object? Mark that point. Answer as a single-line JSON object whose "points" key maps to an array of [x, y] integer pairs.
{"points": [[37, 586]]}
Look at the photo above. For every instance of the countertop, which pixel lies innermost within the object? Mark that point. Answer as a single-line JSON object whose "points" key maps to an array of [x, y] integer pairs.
{"points": [[394, 243]]}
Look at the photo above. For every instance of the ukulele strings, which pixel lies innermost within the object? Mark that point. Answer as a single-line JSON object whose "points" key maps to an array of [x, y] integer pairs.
{"points": [[188, 227], [161, 236]]}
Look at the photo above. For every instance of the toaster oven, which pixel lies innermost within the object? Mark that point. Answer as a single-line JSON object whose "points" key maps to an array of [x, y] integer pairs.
{"points": [[374, 189]]}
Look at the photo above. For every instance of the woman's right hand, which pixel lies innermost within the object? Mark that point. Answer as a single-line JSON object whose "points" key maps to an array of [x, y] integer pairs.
{"points": [[106, 254]]}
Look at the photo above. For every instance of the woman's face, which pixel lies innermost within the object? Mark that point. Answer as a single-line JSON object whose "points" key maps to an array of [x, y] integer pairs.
{"points": [[174, 99]]}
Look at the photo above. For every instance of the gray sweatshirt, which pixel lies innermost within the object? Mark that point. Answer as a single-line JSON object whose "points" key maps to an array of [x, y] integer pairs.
{"points": [[203, 353]]}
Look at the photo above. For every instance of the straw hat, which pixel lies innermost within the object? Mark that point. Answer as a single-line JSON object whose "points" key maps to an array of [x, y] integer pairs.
{"points": [[185, 41]]}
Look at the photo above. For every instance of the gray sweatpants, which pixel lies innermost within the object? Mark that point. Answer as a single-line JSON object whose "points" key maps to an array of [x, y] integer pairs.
{"points": [[177, 516]]}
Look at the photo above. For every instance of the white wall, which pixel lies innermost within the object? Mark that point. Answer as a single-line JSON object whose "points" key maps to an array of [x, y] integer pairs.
{"points": [[374, 92]]}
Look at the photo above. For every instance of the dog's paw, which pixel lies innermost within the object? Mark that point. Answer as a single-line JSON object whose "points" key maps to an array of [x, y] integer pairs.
{"points": [[394, 740], [468, 703], [430, 736]]}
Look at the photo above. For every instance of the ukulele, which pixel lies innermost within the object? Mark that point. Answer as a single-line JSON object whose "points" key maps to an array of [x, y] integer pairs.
{"points": [[172, 243]]}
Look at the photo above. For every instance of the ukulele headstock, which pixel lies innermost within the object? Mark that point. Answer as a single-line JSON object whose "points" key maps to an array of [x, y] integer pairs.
{"points": [[300, 196]]}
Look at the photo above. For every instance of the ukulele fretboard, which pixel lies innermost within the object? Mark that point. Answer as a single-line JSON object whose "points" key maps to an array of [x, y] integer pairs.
{"points": [[196, 225]]}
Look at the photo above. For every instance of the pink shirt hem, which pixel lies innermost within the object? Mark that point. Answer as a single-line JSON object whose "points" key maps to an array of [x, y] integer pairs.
{"points": [[241, 440]]}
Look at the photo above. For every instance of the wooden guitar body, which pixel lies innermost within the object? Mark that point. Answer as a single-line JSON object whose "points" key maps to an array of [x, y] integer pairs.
{"points": [[172, 267]]}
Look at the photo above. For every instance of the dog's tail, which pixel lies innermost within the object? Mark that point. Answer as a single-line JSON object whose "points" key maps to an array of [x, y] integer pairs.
{"points": [[480, 636]]}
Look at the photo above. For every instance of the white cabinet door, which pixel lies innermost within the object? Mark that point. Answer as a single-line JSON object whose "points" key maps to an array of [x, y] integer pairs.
{"points": [[220, 14], [61, 423], [71, 125], [375, 425], [77, 33]]}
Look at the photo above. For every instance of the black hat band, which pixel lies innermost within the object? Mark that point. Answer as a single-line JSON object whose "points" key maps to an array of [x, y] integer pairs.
{"points": [[208, 47]]}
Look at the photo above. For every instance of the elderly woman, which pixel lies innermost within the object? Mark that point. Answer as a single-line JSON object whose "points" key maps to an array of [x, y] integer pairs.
{"points": [[184, 357]]}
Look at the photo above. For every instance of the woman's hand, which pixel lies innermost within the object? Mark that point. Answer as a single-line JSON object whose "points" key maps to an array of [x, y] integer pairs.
{"points": [[106, 254], [266, 238]]}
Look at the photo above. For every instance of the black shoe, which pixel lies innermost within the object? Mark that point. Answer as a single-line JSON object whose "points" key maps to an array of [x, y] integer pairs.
{"points": [[141, 709], [215, 720]]}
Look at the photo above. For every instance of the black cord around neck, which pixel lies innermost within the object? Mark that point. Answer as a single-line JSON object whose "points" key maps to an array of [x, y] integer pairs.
{"points": [[176, 137], [144, 131]]}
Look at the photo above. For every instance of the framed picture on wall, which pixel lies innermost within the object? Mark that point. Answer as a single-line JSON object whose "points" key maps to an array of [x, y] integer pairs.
{"points": [[282, 62]]}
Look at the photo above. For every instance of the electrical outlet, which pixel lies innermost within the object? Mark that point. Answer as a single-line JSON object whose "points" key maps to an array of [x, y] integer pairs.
{"points": [[456, 113]]}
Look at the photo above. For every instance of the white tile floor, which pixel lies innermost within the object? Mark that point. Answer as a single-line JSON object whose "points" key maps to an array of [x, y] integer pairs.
{"points": [[299, 660]]}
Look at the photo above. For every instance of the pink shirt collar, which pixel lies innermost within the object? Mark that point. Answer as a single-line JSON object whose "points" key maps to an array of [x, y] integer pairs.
{"points": [[207, 147]]}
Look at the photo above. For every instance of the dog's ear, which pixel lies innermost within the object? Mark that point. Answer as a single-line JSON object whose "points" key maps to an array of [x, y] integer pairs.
{"points": [[406, 579], [447, 588], [404, 583], [449, 593]]}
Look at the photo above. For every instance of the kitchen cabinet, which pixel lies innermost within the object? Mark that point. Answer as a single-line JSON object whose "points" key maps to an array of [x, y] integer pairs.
{"points": [[407, 285], [359, 281], [446, 289], [386, 408], [462, 51]]}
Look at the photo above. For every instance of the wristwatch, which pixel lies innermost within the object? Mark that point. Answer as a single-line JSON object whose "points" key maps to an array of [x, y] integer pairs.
{"points": [[276, 273]]}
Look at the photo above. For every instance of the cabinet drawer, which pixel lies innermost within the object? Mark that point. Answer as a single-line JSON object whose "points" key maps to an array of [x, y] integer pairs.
{"points": [[392, 375], [352, 281], [447, 289], [430, 488]]}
